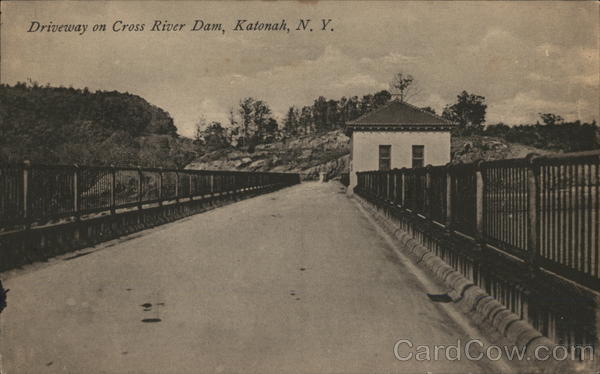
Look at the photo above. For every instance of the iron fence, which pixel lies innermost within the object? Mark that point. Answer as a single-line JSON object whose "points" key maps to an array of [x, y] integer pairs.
{"points": [[32, 194], [544, 210]]}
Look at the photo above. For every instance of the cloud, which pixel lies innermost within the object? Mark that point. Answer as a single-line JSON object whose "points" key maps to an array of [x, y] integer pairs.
{"points": [[434, 101], [591, 80], [209, 110], [360, 81], [332, 74], [539, 77], [525, 106], [548, 49], [524, 58]]}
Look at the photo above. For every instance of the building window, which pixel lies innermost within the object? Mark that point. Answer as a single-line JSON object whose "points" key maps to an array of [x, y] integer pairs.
{"points": [[385, 152], [418, 156]]}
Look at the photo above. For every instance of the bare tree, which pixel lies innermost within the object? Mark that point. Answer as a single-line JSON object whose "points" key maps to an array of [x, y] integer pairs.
{"points": [[404, 86], [200, 126]]}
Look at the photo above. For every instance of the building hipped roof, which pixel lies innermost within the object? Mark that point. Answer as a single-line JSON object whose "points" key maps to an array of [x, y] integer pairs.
{"points": [[400, 116]]}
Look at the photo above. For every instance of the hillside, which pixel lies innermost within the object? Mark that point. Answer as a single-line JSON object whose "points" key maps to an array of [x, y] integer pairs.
{"points": [[329, 153], [466, 149], [308, 155], [66, 125]]}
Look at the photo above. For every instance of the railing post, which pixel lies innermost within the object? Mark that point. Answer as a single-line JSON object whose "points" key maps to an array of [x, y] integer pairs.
{"points": [[176, 186], [26, 190], [394, 176], [362, 186], [381, 185], [388, 175], [76, 197], [479, 191], [160, 185], [427, 208], [397, 181], [113, 188], [365, 182], [403, 198], [191, 185], [448, 199], [140, 187], [358, 186], [533, 180], [374, 184], [479, 265]]}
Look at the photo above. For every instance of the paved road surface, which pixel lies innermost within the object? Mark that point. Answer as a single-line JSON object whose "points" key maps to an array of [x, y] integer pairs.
{"points": [[297, 281]]}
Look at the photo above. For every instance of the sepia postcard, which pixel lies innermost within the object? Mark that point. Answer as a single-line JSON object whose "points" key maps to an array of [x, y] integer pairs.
{"points": [[299, 187]]}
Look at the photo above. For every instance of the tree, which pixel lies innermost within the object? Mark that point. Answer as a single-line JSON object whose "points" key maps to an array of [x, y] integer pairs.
{"points": [[404, 86], [468, 112], [351, 108], [306, 119], [256, 124], [234, 129], [429, 109], [332, 115], [381, 98], [212, 135], [291, 122], [245, 110], [69, 125], [550, 119], [342, 109], [270, 131], [215, 136], [319, 113], [366, 104], [265, 126], [201, 124]]}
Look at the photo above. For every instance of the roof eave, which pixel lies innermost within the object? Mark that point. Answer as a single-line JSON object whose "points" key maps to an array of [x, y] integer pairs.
{"points": [[400, 127]]}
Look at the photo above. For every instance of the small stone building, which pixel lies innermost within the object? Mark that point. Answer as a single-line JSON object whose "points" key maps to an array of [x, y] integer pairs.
{"points": [[397, 135]]}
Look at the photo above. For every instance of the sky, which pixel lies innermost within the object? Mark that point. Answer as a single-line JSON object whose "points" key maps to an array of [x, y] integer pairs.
{"points": [[523, 57]]}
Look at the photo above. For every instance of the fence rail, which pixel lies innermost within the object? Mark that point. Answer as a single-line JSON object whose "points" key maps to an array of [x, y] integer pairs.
{"points": [[544, 210], [32, 194]]}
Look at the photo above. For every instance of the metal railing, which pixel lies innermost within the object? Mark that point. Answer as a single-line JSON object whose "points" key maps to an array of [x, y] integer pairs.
{"points": [[544, 210], [33, 194], [345, 179]]}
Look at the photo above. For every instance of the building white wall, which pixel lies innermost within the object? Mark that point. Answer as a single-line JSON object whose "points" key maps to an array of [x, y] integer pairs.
{"points": [[365, 149]]}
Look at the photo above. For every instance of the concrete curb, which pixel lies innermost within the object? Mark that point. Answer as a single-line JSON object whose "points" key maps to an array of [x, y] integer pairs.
{"points": [[473, 301]]}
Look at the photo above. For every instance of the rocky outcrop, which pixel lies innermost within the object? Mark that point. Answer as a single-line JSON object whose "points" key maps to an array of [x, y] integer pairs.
{"points": [[308, 155], [474, 148], [331, 168]]}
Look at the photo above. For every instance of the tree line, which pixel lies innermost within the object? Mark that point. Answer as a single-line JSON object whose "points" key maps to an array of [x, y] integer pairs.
{"points": [[252, 123], [61, 125], [552, 133], [66, 125]]}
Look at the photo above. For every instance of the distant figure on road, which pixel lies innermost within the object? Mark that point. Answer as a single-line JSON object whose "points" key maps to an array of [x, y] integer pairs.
{"points": [[3, 293]]}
